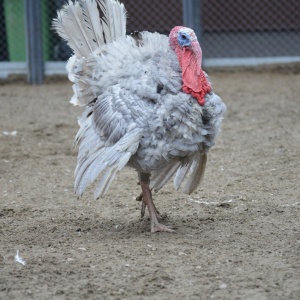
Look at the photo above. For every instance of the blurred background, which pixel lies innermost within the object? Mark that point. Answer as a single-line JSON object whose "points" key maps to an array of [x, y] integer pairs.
{"points": [[231, 32]]}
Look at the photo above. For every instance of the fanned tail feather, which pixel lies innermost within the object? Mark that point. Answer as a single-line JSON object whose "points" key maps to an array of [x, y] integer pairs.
{"points": [[92, 22], [113, 13], [82, 27]]}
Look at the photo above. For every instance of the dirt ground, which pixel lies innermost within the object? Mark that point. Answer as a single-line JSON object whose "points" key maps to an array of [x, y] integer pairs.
{"points": [[237, 237]]}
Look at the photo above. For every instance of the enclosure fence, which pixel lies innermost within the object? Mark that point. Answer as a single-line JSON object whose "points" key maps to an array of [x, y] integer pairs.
{"points": [[231, 32]]}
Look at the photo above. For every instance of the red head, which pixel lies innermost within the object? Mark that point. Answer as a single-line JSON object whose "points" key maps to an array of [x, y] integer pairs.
{"points": [[184, 43]]}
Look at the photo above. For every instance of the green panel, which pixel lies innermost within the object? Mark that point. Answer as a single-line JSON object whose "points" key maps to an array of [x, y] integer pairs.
{"points": [[14, 21], [46, 27], [15, 29]]}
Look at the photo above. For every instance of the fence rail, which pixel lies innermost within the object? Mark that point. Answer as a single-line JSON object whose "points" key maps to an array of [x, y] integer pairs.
{"points": [[231, 32]]}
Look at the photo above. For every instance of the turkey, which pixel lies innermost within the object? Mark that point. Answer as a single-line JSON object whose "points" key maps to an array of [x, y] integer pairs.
{"points": [[147, 102]]}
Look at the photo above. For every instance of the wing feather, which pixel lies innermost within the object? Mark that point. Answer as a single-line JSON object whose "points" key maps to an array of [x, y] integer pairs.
{"points": [[162, 176], [197, 173], [181, 174], [106, 161]]}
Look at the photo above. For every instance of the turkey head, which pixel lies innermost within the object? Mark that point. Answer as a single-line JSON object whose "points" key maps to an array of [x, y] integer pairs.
{"points": [[184, 43]]}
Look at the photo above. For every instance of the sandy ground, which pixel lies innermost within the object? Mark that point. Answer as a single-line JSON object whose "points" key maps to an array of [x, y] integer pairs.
{"points": [[237, 237]]}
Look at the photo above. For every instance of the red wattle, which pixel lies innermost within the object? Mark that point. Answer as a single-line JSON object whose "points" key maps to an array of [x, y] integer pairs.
{"points": [[193, 77], [198, 95]]}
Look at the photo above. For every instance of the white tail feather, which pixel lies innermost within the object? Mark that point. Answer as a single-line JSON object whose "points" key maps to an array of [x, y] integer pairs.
{"points": [[114, 12], [81, 26], [92, 21]]}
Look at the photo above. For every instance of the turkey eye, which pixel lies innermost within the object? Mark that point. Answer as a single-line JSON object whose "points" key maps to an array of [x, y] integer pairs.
{"points": [[184, 37]]}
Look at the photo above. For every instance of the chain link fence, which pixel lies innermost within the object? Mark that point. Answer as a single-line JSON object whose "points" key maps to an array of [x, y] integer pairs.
{"points": [[231, 29], [251, 28]]}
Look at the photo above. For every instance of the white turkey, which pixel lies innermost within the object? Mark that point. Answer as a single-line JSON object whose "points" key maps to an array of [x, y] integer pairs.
{"points": [[148, 103]]}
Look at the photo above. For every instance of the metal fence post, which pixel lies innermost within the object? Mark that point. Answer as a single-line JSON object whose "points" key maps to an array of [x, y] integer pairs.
{"points": [[34, 48], [192, 16]]}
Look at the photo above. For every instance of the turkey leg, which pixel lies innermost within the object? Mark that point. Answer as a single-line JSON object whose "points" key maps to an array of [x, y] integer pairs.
{"points": [[140, 198], [147, 199]]}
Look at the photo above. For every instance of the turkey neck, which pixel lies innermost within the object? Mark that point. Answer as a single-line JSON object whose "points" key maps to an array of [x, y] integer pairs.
{"points": [[193, 77]]}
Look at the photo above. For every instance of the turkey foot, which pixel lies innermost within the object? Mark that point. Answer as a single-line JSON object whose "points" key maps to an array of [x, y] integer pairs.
{"points": [[147, 201]]}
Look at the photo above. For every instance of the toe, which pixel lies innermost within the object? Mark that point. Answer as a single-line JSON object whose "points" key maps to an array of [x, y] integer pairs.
{"points": [[161, 228]]}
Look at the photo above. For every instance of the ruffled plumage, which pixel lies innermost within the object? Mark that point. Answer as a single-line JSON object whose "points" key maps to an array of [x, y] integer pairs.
{"points": [[136, 113]]}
